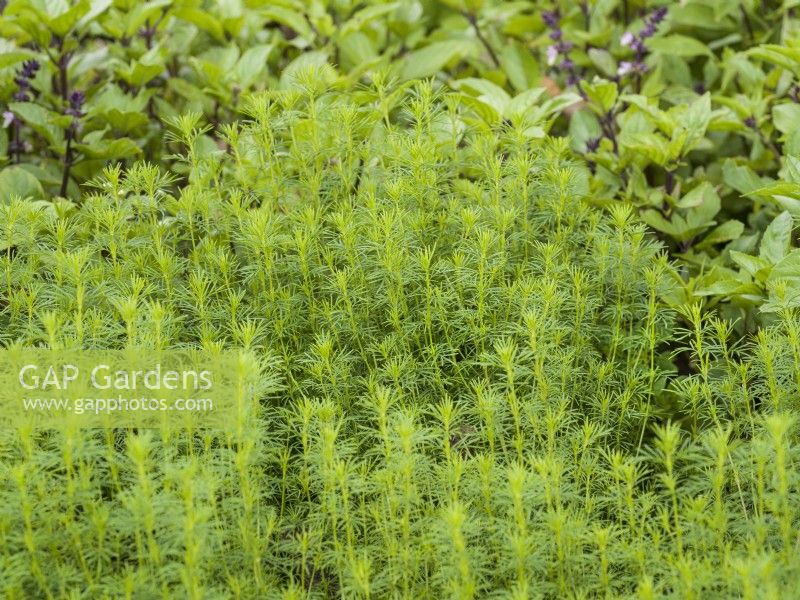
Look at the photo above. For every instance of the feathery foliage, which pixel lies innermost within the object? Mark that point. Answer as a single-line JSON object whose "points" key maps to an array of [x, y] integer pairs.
{"points": [[473, 384]]}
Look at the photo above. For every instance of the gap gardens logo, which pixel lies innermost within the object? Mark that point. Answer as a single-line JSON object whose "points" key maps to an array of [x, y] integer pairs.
{"points": [[122, 388]]}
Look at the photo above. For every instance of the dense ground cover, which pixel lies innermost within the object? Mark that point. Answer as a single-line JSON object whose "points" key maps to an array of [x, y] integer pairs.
{"points": [[522, 280]]}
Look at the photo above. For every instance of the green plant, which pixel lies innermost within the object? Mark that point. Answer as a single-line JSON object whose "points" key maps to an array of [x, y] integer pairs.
{"points": [[520, 282], [468, 382]]}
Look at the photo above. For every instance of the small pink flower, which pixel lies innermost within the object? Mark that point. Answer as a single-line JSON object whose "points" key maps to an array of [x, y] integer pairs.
{"points": [[626, 39], [552, 55], [625, 67], [8, 118]]}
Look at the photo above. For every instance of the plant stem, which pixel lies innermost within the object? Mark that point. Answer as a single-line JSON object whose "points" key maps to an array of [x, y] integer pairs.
{"points": [[607, 125], [17, 147], [669, 184], [63, 63], [473, 20], [67, 164]]}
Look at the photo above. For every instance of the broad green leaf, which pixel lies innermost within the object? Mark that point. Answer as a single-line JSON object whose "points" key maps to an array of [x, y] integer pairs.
{"points": [[485, 91], [110, 149], [367, 15], [17, 182], [89, 62], [307, 60], [726, 287], [707, 209], [583, 126], [787, 271], [40, 119], [603, 93], [520, 67], [696, 196], [252, 64], [557, 104], [63, 23], [728, 40], [96, 8], [792, 205], [649, 145], [660, 119], [290, 18], [741, 178], [786, 117], [679, 45], [139, 72], [486, 114], [9, 59], [690, 14], [727, 231], [777, 238], [739, 66], [792, 143], [786, 57], [753, 266], [791, 169], [218, 65], [519, 104], [604, 61], [141, 13], [657, 221], [697, 219], [355, 49], [698, 116], [784, 188], [123, 121], [204, 20], [429, 60]]}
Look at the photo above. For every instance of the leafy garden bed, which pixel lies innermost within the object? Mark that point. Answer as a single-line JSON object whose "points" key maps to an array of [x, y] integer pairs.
{"points": [[522, 280]]}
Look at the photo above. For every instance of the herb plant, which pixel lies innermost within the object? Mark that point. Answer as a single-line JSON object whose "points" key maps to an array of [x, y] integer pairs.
{"points": [[521, 281]]}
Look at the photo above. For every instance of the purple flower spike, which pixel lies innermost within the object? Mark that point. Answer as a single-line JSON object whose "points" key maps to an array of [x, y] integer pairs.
{"points": [[659, 14], [23, 80], [29, 69], [551, 18], [652, 22], [561, 47], [564, 47], [76, 100], [648, 31], [638, 46]]}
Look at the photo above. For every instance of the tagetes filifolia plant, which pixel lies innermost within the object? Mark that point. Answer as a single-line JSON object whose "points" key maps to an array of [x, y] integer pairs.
{"points": [[472, 384]]}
